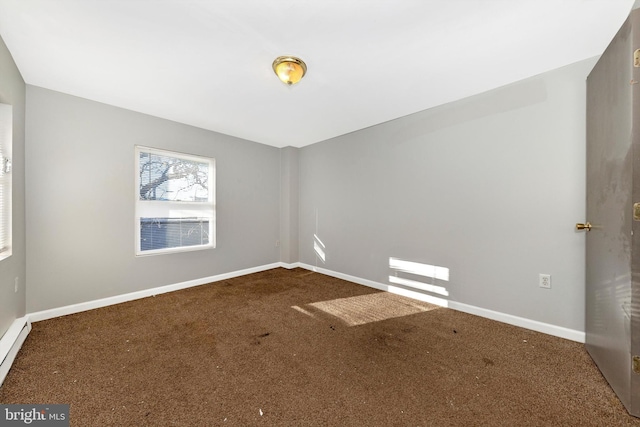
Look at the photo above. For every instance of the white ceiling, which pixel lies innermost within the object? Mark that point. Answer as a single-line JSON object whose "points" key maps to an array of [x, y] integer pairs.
{"points": [[208, 63]]}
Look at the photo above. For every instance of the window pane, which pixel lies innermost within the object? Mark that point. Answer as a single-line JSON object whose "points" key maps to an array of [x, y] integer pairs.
{"points": [[175, 201], [170, 178], [163, 233]]}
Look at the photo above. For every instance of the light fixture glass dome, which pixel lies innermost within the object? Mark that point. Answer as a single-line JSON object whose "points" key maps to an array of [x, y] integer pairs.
{"points": [[289, 69]]}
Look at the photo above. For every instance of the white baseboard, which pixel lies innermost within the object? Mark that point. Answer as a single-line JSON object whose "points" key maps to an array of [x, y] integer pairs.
{"points": [[522, 322], [10, 344], [534, 325], [15, 336], [290, 266], [104, 302]]}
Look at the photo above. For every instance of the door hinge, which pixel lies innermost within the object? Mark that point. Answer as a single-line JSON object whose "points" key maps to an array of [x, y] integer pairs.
{"points": [[636, 58], [636, 364], [636, 211]]}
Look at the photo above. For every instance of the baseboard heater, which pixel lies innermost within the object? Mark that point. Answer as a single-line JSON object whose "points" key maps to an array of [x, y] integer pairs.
{"points": [[10, 344]]}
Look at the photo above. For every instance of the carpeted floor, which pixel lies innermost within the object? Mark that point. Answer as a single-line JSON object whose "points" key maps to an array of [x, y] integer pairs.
{"points": [[296, 348]]}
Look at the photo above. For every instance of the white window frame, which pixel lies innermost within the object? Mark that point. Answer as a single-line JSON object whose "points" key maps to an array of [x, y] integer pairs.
{"points": [[6, 185], [174, 209]]}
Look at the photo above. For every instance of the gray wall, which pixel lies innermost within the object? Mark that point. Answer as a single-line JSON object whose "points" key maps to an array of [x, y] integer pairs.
{"points": [[289, 205], [12, 92], [490, 187], [80, 201]]}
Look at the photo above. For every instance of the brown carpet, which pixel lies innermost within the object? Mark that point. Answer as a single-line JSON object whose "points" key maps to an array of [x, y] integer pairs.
{"points": [[296, 348]]}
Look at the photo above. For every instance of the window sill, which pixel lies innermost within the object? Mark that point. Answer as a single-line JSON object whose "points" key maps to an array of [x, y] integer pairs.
{"points": [[173, 250]]}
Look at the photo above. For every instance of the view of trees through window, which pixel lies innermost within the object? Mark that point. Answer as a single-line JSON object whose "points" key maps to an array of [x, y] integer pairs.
{"points": [[171, 178], [180, 184]]}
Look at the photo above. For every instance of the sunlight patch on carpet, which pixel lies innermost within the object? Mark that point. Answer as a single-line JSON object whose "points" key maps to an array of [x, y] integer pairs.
{"points": [[372, 307], [302, 310]]}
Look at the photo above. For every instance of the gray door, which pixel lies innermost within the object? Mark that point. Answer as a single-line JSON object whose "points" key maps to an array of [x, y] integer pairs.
{"points": [[612, 335]]}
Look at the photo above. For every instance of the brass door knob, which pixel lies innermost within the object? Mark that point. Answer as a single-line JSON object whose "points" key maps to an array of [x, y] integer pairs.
{"points": [[586, 226]]}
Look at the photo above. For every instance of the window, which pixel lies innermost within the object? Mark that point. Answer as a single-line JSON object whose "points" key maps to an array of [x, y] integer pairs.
{"points": [[6, 138], [175, 202]]}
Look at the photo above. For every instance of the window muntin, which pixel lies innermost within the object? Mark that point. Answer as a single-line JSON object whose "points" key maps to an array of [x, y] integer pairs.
{"points": [[175, 196]]}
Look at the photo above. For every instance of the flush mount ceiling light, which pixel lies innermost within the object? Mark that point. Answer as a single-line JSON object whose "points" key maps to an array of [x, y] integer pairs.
{"points": [[289, 69]]}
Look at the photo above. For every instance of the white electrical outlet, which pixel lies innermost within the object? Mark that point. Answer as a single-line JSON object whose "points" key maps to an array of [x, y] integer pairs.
{"points": [[15, 286], [545, 281]]}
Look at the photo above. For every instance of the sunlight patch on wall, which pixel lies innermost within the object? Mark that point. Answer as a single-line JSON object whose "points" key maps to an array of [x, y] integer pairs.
{"points": [[420, 269], [319, 248], [441, 290], [423, 277], [369, 308]]}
